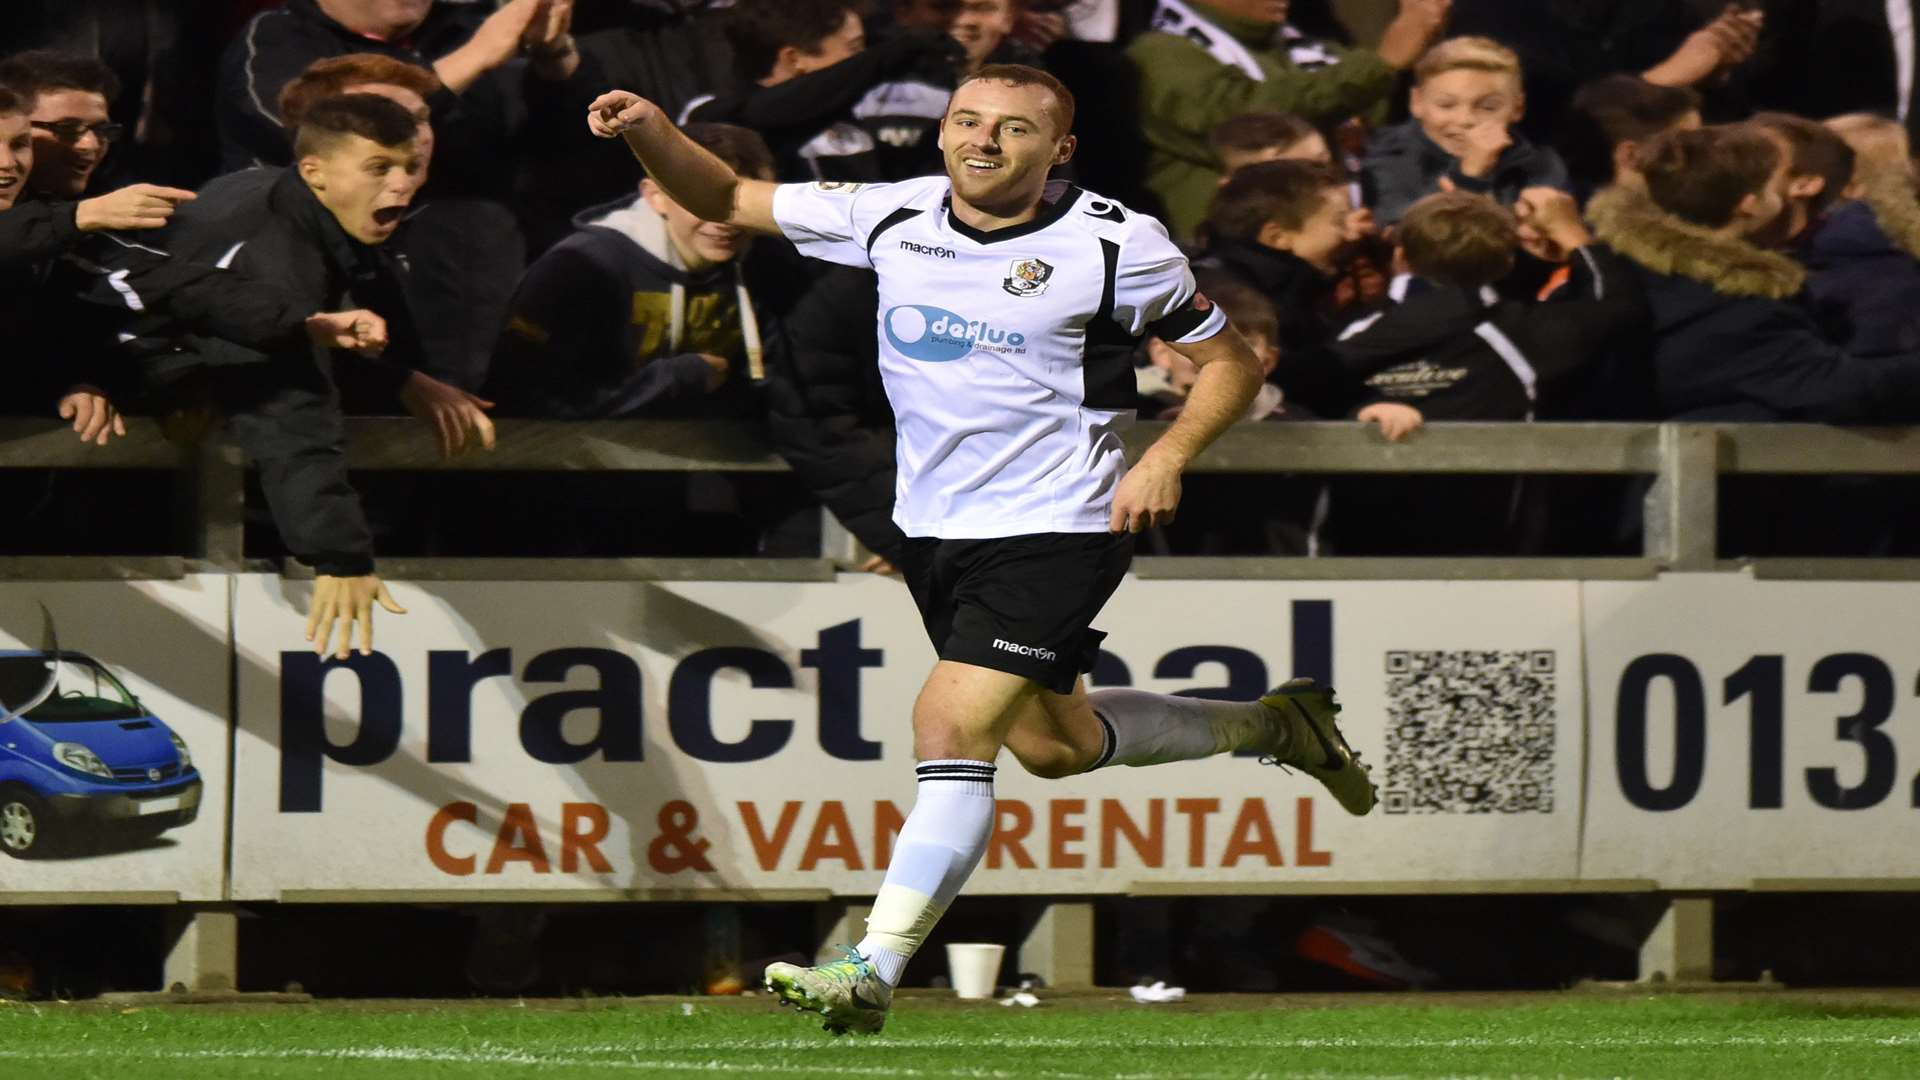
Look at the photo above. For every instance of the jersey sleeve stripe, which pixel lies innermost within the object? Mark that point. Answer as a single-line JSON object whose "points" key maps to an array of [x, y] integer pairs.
{"points": [[904, 213], [1178, 329], [1180, 323]]}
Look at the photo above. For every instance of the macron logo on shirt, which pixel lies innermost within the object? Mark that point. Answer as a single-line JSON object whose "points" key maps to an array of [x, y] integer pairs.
{"points": [[1025, 650], [923, 249]]}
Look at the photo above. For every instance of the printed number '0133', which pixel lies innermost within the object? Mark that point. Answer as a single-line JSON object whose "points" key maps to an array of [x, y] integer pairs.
{"points": [[1761, 684]]}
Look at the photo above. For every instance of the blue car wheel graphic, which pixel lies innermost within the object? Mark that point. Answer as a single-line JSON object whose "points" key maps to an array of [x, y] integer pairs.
{"points": [[23, 825]]}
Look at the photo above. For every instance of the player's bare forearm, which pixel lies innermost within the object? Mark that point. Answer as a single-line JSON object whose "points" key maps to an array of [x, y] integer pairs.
{"points": [[1228, 380], [691, 175]]}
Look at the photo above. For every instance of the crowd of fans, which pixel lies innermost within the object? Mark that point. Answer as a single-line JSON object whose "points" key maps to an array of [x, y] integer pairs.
{"points": [[274, 214]]}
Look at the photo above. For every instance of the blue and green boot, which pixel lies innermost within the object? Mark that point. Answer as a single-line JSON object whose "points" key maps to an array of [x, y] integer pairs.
{"points": [[848, 993]]}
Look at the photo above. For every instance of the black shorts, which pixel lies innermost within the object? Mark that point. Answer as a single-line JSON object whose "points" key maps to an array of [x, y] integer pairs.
{"points": [[1019, 604]]}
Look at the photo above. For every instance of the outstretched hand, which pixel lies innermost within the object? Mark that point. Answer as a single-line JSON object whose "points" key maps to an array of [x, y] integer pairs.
{"points": [[343, 601], [1713, 50], [458, 419], [499, 36], [549, 26], [136, 206]]}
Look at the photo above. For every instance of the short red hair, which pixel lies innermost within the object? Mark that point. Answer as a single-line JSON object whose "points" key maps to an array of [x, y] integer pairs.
{"points": [[335, 75]]}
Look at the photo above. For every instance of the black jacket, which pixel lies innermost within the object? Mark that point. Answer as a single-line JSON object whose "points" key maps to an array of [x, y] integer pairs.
{"points": [[79, 307], [35, 230], [665, 55], [826, 409], [592, 329], [1733, 338], [470, 247], [1467, 354], [1565, 44], [1303, 298], [1865, 284], [668, 56], [281, 404], [1827, 57], [902, 116], [48, 351], [809, 121], [473, 130], [1404, 166]]}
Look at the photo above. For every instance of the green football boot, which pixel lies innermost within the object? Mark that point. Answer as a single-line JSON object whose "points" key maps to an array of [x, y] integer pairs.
{"points": [[848, 993], [1306, 726]]}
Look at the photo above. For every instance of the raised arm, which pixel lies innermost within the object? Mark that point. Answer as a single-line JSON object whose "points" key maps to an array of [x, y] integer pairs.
{"points": [[691, 176]]}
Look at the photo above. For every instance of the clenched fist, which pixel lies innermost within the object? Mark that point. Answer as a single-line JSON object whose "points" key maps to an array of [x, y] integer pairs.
{"points": [[617, 110], [361, 331]]}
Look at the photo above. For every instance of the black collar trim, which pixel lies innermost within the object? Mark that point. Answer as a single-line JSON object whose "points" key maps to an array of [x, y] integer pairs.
{"points": [[1049, 213]]}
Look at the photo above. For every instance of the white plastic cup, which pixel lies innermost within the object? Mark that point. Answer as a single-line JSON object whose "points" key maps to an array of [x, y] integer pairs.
{"points": [[974, 969]]}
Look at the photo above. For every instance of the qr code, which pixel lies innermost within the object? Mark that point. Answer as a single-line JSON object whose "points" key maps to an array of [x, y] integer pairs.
{"points": [[1469, 733]]}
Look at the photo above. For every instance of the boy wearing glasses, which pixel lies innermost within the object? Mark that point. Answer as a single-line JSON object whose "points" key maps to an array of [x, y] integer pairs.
{"points": [[66, 95], [71, 129]]}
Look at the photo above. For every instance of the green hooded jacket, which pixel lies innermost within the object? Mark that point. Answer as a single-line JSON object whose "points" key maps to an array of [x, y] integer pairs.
{"points": [[1185, 93]]}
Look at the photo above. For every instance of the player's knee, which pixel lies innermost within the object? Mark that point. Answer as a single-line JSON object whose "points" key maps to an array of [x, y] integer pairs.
{"points": [[943, 733], [1055, 761]]}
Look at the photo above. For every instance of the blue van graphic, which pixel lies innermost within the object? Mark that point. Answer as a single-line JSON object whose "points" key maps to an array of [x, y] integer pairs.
{"points": [[89, 762]]}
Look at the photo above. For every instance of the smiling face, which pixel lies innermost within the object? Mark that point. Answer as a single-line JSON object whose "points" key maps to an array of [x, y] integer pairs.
{"points": [[366, 186], [1452, 103], [999, 141], [68, 144], [16, 156]]}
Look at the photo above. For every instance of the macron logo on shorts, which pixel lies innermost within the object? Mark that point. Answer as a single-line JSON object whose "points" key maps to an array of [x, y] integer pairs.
{"points": [[1025, 650]]}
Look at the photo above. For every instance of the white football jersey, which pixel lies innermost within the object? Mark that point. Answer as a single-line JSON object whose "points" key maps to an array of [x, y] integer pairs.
{"points": [[1007, 355]]}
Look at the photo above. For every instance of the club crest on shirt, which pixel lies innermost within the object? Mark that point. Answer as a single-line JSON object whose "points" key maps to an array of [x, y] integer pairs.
{"points": [[1027, 277]]}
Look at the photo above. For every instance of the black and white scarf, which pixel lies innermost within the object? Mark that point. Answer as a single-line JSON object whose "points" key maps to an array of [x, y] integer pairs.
{"points": [[1175, 17]]}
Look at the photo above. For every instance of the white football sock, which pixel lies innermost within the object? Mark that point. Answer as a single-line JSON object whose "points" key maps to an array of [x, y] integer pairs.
{"points": [[1153, 729], [941, 843]]}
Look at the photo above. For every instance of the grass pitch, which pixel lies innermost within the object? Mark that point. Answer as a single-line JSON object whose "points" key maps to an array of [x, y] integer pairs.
{"points": [[1852, 1035]]}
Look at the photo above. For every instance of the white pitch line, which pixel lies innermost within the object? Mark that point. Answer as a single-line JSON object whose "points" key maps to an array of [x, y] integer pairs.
{"points": [[508, 1058], [629, 1057], [883, 1043], [545, 1061], [880, 1044]]}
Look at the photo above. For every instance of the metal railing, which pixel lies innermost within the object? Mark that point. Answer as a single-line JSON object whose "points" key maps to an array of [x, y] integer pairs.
{"points": [[1680, 534]]}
